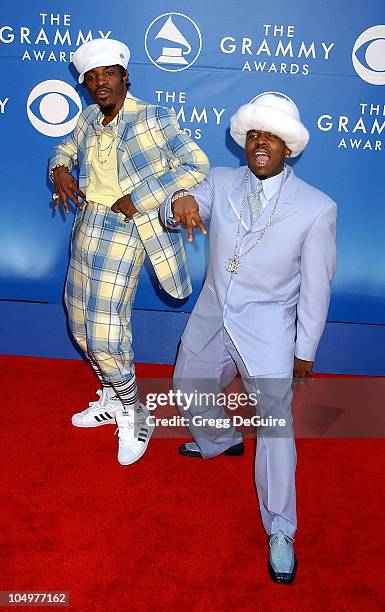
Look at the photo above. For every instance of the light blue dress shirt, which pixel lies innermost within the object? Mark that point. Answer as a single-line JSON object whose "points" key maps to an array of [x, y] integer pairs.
{"points": [[270, 187]]}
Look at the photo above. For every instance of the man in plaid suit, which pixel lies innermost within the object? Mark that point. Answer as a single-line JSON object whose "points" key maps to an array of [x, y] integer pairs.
{"points": [[131, 156]]}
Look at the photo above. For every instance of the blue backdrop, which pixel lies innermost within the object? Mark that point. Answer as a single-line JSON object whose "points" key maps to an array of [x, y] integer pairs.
{"points": [[205, 60]]}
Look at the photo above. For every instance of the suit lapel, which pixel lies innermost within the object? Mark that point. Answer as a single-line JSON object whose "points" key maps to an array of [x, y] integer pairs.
{"points": [[92, 122], [235, 195], [127, 120]]}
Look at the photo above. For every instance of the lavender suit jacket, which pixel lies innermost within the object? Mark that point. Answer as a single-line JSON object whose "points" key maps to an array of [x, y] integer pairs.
{"points": [[276, 306]]}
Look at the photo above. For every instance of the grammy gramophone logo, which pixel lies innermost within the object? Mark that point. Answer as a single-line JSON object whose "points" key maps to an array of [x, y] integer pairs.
{"points": [[173, 42]]}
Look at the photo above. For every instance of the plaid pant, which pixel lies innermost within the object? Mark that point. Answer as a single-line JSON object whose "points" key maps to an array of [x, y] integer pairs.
{"points": [[106, 258]]}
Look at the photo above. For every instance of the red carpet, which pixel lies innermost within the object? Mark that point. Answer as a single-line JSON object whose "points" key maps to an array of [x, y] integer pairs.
{"points": [[169, 533]]}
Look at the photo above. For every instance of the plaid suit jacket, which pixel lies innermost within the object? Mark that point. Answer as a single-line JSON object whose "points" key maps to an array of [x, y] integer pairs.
{"points": [[155, 159]]}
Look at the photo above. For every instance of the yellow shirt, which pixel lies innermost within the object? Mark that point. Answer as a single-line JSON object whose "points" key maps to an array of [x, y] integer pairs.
{"points": [[103, 186]]}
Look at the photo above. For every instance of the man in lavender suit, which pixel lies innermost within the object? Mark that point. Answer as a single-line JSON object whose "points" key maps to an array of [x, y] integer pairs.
{"points": [[263, 305]]}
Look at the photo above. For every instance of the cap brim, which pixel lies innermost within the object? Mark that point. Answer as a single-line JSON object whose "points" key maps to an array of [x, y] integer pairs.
{"points": [[97, 63]]}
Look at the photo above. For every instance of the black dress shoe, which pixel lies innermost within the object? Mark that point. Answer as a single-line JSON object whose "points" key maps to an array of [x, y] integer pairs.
{"points": [[282, 562], [233, 451], [280, 577]]}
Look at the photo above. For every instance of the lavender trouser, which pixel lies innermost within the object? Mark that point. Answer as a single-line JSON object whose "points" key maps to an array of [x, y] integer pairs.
{"points": [[275, 460]]}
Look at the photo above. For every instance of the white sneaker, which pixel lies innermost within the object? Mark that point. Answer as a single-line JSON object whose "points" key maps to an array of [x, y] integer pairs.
{"points": [[101, 412], [134, 431]]}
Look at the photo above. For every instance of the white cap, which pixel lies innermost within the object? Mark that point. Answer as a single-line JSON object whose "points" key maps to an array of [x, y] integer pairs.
{"points": [[271, 112], [100, 52]]}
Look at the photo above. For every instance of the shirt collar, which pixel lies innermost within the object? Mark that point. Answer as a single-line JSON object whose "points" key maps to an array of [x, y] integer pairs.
{"points": [[270, 186], [110, 129], [112, 123]]}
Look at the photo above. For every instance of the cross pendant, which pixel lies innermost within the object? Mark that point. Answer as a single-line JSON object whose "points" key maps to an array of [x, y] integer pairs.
{"points": [[233, 264]]}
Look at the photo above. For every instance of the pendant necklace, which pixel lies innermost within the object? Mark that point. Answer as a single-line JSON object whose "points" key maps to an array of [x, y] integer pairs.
{"points": [[108, 148], [234, 262]]}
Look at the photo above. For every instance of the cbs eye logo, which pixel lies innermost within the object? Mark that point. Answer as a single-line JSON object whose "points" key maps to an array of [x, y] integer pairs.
{"points": [[53, 108], [368, 55]]}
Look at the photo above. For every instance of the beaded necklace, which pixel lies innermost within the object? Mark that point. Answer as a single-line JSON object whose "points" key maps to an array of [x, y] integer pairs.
{"points": [[108, 148]]}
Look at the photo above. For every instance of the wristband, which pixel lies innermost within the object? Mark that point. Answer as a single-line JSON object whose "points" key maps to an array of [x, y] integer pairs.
{"points": [[180, 194], [54, 168]]}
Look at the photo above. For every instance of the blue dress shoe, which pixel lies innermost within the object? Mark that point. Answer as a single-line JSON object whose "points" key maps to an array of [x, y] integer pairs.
{"points": [[282, 561]]}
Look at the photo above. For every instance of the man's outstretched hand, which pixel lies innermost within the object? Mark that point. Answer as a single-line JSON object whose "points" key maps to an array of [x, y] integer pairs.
{"points": [[66, 187], [186, 212]]}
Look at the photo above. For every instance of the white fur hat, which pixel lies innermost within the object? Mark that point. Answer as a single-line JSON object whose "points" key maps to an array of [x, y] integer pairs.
{"points": [[271, 112], [100, 52]]}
